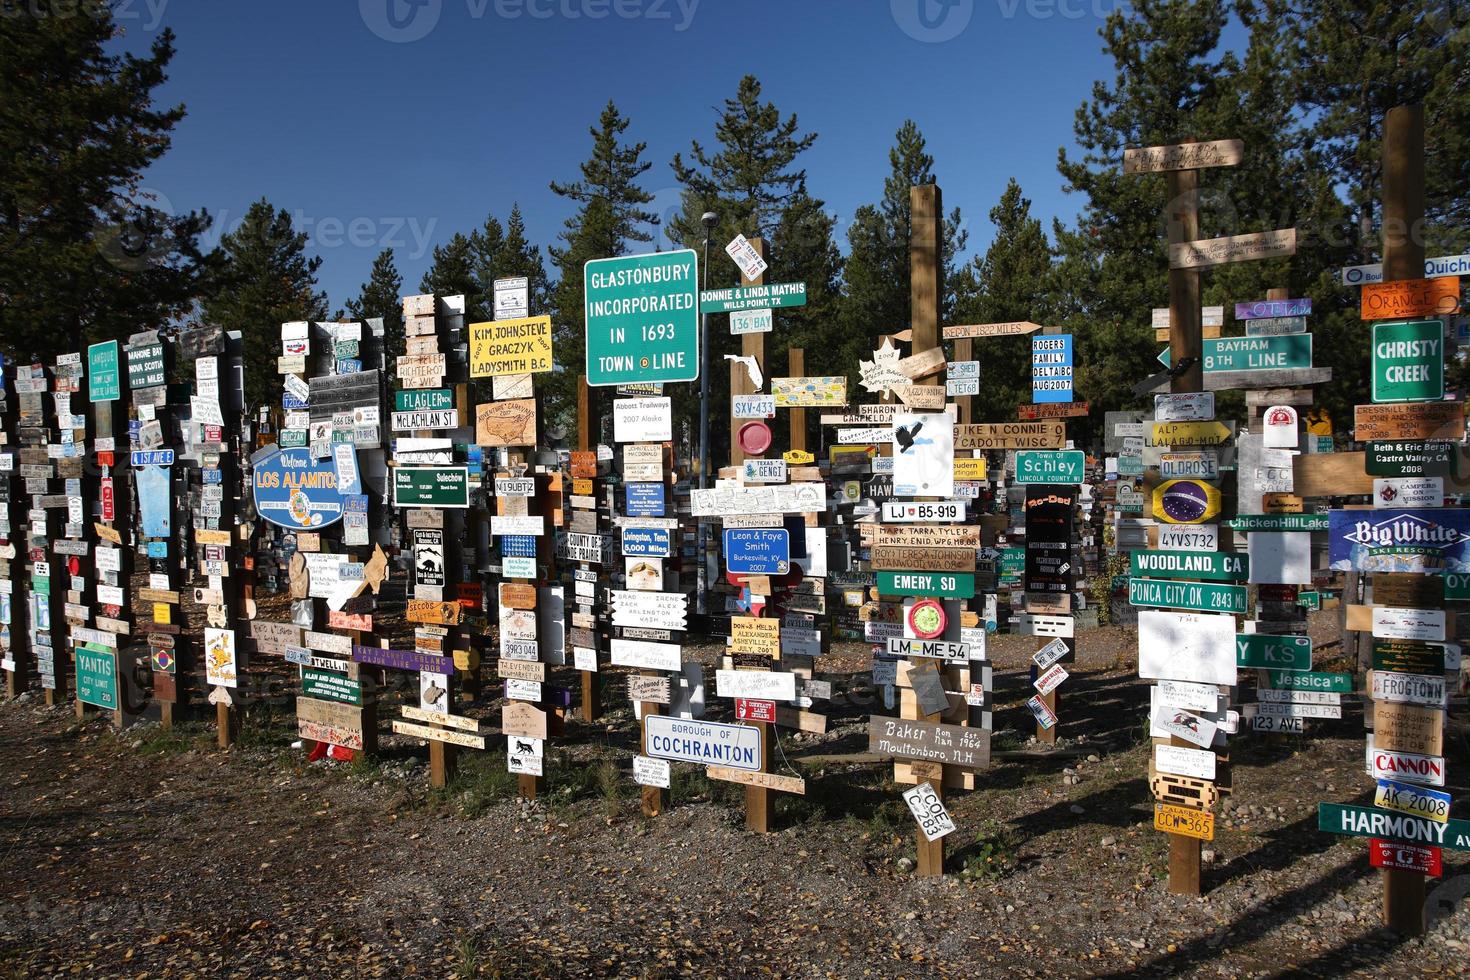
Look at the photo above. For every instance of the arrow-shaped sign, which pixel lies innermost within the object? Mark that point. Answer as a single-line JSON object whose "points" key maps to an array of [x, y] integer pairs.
{"points": [[1014, 328], [1199, 433]]}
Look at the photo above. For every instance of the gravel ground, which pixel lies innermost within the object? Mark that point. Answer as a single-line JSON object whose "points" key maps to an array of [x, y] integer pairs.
{"points": [[150, 853]]}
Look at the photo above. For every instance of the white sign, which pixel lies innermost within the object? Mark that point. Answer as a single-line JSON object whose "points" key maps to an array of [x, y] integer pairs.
{"points": [[1050, 680], [1050, 654], [525, 756], [1448, 265], [512, 298], [768, 685], [1425, 769], [962, 378], [902, 646], [1197, 647], [765, 471], [750, 321], [704, 742], [447, 418], [746, 257], [1279, 558], [928, 809], [642, 420], [1392, 623], [895, 511], [650, 772], [1194, 406], [1412, 491], [1279, 427], [1189, 537], [1408, 688], [645, 655], [205, 410], [753, 406], [1191, 697], [1185, 725], [791, 498], [531, 525], [1179, 761], [923, 454], [1202, 465], [655, 610]]}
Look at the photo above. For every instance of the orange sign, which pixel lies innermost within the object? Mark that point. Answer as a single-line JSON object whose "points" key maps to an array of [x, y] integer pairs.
{"points": [[1411, 297]]}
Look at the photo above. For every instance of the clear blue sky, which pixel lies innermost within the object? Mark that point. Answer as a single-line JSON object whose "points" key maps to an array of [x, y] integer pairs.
{"points": [[399, 122]]}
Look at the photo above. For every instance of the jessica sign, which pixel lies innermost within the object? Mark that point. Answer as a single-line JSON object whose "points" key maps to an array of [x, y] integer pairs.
{"points": [[292, 490]]}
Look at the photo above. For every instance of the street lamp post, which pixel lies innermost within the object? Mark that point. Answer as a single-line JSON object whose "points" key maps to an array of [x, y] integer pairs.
{"points": [[709, 220]]}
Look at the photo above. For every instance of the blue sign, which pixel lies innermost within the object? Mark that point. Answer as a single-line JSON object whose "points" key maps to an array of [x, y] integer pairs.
{"points": [[293, 490], [291, 402], [212, 476], [153, 457], [1418, 539], [355, 504], [645, 499], [153, 498], [757, 550], [157, 549], [518, 546], [349, 366], [646, 542], [1051, 368]]}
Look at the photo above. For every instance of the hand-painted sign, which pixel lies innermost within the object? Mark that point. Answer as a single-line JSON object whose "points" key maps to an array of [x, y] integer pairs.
{"points": [[1405, 298], [509, 347], [1263, 308], [294, 490]]}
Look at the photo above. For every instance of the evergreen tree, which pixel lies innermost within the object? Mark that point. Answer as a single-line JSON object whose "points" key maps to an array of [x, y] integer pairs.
{"points": [[512, 256], [88, 253], [751, 181], [877, 269], [452, 273], [382, 296], [1011, 281], [610, 216], [267, 280]]}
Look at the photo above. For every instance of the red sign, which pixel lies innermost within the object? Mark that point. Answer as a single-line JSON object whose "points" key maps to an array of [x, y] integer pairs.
{"points": [[349, 621], [105, 458], [1405, 857], [214, 433], [470, 595], [584, 465], [750, 709], [109, 505], [1277, 593]]}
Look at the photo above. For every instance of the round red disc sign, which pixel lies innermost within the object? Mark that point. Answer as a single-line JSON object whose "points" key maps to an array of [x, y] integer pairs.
{"points": [[755, 437]]}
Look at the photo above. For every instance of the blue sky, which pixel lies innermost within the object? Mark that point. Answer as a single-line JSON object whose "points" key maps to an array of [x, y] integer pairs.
{"points": [[398, 122]]}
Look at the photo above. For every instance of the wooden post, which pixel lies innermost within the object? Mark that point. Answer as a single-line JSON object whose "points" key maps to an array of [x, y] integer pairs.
{"points": [[926, 285], [1186, 341], [591, 689], [796, 368], [1403, 258]]}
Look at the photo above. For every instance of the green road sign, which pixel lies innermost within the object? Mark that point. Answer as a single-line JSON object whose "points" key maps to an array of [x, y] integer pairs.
{"points": [[104, 377], [1369, 821], [950, 585], [1273, 652], [1309, 600], [292, 438], [1013, 565], [642, 318], [423, 400], [147, 366], [772, 296], [97, 678], [1258, 353], [1165, 358], [1199, 596], [333, 687], [1408, 361], [1278, 522], [431, 486], [1051, 466], [1456, 585], [1308, 680], [1209, 566]]}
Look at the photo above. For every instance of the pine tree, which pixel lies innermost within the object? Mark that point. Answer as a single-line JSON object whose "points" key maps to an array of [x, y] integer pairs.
{"points": [[514, 256], [610, 216], [452, 273], [267, 280], [751, 181], [89, 252], [877, 269], [1011, 281], [382, 296]]}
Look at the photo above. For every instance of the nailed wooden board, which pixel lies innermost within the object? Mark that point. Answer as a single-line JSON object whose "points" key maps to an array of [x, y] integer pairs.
{"points": [[766, 780], [439, 734], [1271, 378]]}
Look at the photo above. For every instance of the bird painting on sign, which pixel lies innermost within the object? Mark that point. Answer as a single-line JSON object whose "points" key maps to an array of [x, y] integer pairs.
{"points": [[923, 454]]}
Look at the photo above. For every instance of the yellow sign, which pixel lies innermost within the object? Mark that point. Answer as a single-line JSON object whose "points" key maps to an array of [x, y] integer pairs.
{"points": [[810, 392], [163, 613], [1209, 433], [1184, 821], [1319, 422], [969, 469], [505, 347], [1185, 502], [798, 457]]}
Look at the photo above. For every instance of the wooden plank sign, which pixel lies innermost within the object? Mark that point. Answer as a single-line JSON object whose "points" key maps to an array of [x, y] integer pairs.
{"points": [[1232, 248], [1014, 328], [766, 780], [1011, 435], [437, 613], [503, 424], [1410, 420], [1183, 156], [1408, 298]]}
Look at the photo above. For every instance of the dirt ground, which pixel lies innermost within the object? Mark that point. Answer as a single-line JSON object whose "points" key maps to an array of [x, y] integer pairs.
{"points": [[151, 853]]}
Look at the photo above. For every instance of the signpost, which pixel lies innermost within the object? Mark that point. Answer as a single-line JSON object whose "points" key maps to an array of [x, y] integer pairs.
{"points": [[642, 318]]}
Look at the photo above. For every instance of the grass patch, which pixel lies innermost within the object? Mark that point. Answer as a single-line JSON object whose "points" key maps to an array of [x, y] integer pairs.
{"points": [[156, 740], [480, 781], [992, 854]]}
